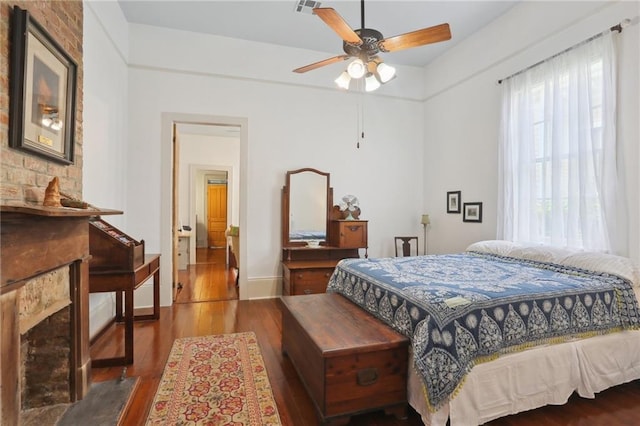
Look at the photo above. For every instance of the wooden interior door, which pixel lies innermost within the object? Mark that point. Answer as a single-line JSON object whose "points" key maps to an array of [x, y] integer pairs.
{"points": [[216, 215]]}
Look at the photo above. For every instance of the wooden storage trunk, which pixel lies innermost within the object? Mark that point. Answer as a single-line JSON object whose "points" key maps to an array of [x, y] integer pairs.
{"points": [[349, 361]]}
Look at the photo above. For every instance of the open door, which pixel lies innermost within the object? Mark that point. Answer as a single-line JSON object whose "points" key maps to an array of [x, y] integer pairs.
{"points": [[174, 219]]}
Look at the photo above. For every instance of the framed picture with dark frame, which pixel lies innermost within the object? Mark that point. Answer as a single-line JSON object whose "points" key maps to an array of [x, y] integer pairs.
{"points": [[43, 92], [472, 212], [453, 202]]}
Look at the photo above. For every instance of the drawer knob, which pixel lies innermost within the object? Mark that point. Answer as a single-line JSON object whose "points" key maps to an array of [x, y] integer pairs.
{"points": [[353, 228], [299, 275], [307, 291], [327, 275]]}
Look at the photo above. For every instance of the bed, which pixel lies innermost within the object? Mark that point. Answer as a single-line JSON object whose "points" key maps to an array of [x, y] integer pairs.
{"points": [[503, 328]]}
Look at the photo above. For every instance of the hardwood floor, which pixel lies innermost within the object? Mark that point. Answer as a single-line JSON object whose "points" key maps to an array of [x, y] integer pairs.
{"points": [[195, 317], [209, 279]]}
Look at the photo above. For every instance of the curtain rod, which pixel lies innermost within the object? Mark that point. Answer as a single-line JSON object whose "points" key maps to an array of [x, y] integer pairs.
{"points": [[617, 28]]}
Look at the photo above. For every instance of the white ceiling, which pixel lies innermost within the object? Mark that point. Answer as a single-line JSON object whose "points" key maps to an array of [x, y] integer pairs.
{"points": [[277, 22]]}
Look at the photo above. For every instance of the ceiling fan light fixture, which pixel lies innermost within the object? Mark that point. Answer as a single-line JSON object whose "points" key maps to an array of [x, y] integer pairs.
{"points": [[343, 80], [371, 83], [357, 68], [385, 72], [364, 44]]}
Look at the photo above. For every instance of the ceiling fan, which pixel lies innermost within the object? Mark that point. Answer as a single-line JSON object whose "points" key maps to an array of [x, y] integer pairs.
{"points": [[364, 44]]}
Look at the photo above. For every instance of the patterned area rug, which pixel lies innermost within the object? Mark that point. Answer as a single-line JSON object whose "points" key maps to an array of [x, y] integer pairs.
{"points": [[215, 380]]}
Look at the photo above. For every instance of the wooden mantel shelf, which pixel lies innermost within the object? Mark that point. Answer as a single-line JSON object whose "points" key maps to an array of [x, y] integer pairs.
{"points": [[37, 210], [35, 239]]}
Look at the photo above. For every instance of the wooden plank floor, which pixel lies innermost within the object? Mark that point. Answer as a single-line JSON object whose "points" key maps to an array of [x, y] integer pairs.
{"points": [[208, 280], [153, 339]]}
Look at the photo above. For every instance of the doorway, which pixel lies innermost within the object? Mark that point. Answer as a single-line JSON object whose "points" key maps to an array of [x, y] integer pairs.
{"points": [[207, 201]]}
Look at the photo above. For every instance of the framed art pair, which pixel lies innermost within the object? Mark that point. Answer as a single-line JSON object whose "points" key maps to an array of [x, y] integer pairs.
{"points": [[472, 212]]}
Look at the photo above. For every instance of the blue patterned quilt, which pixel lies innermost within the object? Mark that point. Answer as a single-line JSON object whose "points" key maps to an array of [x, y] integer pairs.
{"points": [[465, 308]]}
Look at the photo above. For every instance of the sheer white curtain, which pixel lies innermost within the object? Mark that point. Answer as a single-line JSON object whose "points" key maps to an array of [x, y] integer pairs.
{"points": [[558, 177]]}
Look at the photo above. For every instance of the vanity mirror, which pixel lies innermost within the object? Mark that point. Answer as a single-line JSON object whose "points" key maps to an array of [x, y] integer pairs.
{"points": [[306, 201], [313, 241]]}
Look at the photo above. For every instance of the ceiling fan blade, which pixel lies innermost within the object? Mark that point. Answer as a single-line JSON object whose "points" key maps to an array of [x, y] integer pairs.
{"points": [[416, 38], [321, 64], [337, 24]]}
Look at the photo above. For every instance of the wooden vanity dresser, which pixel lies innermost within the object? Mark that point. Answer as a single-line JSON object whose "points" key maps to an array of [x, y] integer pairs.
{"points": [[308, 216]]}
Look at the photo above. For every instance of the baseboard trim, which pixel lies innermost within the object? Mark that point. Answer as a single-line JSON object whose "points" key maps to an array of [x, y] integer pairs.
{"points": [[264, 288]]}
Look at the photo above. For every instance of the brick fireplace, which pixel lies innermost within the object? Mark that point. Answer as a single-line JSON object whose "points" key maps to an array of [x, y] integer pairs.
{"points": [[40, 248], [44, 305], [44, 322]]}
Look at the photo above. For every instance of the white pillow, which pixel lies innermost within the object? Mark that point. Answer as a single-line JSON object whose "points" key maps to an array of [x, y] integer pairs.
{"points": [[541, 253], [499, 247], [609, 263], [590, 261]]}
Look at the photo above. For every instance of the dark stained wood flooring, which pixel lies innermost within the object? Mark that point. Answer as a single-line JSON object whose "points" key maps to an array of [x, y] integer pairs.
{"points": [[193, 316]]}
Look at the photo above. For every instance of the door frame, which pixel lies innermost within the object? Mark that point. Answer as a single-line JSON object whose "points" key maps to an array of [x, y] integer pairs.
{"points": [[166, 206]]}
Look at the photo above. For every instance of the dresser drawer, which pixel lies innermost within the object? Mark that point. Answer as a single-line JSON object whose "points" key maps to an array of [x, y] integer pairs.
{"points": [[349, 233], [306, 280], [310, 281]]}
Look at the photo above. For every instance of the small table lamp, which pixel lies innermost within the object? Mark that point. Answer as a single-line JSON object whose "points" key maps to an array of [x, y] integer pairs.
{"points": [[425, 222]]}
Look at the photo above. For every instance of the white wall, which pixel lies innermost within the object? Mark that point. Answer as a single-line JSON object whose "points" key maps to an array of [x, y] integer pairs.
{"points": [[426, 133], [462, 108], [105, 120], [289, 126]]}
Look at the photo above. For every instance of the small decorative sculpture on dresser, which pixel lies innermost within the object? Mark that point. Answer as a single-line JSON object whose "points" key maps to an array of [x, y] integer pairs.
{"points": [[350, 205], [52, 194]]}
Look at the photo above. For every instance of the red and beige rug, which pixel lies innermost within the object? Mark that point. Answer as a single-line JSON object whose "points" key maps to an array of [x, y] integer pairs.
{"points": [[215, 380]]}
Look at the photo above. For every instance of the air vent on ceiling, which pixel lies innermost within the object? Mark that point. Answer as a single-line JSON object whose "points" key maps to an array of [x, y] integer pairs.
{"points": [[306, 6]]}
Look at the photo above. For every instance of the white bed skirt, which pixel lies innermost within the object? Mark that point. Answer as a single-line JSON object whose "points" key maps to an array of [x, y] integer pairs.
{"points": [[534, 378]]}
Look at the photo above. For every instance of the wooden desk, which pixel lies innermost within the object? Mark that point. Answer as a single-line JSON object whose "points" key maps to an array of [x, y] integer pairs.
{"points": [[127, 281]]}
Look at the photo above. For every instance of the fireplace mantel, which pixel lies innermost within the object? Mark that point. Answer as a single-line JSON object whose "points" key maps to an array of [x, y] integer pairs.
{"points": [[35, 240]]}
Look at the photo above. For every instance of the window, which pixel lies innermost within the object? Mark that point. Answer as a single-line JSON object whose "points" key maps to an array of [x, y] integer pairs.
{"points": [[558, 178]]}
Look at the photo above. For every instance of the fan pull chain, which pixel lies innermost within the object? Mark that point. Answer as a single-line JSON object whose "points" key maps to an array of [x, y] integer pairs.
{"points": [[358, 120], [358, 124], [360, 114]]}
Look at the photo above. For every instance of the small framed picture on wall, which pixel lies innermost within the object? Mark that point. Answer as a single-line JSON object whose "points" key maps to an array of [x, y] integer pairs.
{"points": [[453, 202], [472, 212]]}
